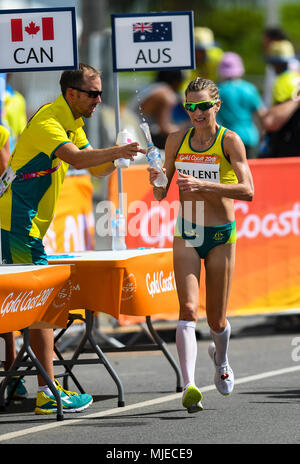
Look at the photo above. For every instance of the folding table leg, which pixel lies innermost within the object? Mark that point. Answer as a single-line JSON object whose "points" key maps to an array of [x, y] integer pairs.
{"points": [[163, 346], [75, 356], [102, 357], [27, 351], [9, 373], [88, 336], [40, 368]]}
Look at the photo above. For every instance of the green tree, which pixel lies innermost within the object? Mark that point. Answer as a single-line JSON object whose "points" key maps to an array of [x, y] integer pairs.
{"points": [[239, 30], [290, 15]]}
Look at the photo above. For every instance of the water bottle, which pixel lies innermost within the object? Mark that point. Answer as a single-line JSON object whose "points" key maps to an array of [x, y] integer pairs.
{"points": [[153, 157], [123, 138], [154, 160], [118, 231]]}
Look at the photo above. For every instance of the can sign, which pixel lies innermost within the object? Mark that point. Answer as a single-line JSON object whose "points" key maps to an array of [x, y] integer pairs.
{"points": [[38, 39]]}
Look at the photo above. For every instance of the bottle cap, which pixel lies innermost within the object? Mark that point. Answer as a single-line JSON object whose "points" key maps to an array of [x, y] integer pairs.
{"points": [[124, 137], [122, 163]]}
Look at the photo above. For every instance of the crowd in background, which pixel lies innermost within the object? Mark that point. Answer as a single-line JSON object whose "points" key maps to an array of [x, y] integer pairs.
{"points": [[267, 119]]}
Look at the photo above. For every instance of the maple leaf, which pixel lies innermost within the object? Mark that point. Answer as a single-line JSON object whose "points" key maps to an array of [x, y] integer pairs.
{"points": [[32, 29]]}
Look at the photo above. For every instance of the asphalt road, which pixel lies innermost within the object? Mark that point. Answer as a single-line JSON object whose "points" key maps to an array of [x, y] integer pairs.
{"points": [[263, 409]]}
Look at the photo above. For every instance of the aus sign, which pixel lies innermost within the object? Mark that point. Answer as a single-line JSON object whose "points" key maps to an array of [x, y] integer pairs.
{"points": [[38, 39], [153, 41]]}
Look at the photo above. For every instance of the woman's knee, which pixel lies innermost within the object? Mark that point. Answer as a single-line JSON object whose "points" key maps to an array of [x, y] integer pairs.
{"points": [[216, 324], [188, 312]]}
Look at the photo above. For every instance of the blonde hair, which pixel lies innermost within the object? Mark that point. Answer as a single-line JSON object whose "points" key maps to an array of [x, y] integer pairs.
{"points": [[203, 84]]}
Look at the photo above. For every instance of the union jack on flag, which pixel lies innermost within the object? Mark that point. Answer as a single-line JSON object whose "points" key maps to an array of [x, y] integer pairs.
{"points": [[142, 27], [152, 32]]}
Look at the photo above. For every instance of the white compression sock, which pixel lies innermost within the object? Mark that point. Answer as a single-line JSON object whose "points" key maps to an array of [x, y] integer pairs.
{"points": [[187, 350], [221, 341], [46, 389]]}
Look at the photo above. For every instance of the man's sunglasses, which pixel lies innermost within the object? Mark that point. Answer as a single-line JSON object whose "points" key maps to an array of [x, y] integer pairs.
{"points": [[91, 93], [203, 105]]}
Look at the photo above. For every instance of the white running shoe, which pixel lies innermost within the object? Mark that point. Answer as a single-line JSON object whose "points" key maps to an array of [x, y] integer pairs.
{"points": [[191, 399], [224, 378]]}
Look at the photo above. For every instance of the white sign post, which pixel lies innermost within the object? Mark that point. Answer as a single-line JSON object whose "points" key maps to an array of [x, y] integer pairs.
{"points": [[38, 39], [147, 42]]}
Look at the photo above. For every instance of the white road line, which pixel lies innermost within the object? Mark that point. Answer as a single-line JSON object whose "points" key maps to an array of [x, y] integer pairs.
{"points": [[143, 404]]}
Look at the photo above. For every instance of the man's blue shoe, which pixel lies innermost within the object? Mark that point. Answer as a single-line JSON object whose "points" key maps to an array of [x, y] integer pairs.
{"points": [[18, 393]]}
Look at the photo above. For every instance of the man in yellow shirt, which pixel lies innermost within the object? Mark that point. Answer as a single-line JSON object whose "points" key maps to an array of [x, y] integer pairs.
{"points": [[207, 55], [52, 140], [14, 112], [283, 119]]}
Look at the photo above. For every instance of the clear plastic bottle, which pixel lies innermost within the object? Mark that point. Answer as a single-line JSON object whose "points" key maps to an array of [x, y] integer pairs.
{"points": [[123, 138], [153, 157], [118, 231], [154, 160]]}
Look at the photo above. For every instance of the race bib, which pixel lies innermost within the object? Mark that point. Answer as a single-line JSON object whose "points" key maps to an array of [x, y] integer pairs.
{"points": [[6, 179], [203, 167]]}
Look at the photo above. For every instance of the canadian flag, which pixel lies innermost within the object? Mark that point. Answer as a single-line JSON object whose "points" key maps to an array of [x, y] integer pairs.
{"points": [[32, 29]]}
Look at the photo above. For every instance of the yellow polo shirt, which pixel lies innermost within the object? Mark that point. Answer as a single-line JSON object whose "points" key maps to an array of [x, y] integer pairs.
{"points": [[27, 207], [285, 86], [4, 134]]}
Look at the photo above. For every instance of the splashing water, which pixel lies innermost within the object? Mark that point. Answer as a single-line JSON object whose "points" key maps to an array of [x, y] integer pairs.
{"points": [[139, 103], [146, 129]]}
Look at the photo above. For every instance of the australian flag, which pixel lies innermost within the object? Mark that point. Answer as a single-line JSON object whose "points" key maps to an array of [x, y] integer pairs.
{"points": [[152, 32]]}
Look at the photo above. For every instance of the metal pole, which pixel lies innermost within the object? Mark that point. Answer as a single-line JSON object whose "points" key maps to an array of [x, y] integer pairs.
{"points": [[272, 13], [117, 121]]}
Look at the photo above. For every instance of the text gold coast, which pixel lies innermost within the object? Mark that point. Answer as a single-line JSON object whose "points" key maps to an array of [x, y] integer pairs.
{"points": [[157, 283], [24, 301]]}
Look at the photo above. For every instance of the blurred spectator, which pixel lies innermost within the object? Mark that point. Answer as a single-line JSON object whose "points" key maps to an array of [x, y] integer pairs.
{"points": [[271, 34], [14, 113], [4, 148], [207, 57], [240, 103], [158, 104], [207, 54], [283, 120]]}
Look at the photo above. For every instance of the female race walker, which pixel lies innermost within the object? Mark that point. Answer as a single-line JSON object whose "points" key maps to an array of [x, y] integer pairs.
{"points": [[212, 172]]}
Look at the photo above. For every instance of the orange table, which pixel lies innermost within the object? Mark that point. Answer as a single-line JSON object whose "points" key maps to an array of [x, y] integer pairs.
{"points": [[26, 294], [138, 282]]}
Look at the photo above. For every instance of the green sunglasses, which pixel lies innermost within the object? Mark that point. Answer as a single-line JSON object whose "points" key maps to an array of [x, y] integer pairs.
{"points": [[203, 105]]}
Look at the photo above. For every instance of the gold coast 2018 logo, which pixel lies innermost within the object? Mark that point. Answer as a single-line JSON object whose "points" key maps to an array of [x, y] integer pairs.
{"points": [[129, 287]]}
